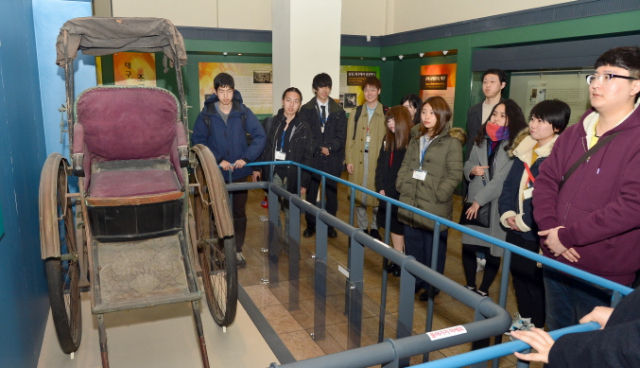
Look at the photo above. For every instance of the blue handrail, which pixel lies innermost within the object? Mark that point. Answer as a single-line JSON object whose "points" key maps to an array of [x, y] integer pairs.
{"points": [[624, 290], [498, 350]]}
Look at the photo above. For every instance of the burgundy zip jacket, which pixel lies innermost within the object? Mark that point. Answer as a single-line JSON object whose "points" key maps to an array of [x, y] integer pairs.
{"points": [[599, 205]]}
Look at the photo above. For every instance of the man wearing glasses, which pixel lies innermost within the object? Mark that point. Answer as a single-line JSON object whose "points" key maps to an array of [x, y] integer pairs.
{"points": [[587, 197]]}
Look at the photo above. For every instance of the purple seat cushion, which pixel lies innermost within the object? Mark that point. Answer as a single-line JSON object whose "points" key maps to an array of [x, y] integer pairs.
{"points": [[125, 123], [132, 183]]}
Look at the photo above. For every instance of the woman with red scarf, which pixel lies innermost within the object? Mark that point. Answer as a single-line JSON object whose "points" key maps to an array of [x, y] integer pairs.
{"points": [[486, 170]]}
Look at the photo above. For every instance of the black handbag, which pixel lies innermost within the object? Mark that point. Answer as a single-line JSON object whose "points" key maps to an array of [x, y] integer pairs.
{"points": [[483, 216]]}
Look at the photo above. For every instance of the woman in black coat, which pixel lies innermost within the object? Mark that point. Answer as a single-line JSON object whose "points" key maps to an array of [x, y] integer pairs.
{"points": [[394, 146]]}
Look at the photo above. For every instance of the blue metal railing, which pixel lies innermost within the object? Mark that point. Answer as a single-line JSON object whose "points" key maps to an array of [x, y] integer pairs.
{"points": [[479, 355]]}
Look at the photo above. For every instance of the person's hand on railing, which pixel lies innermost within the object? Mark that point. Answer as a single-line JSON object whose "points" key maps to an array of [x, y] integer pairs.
{"points": [[350, 168], [511, 221], [256, 176], [239, 164], [472, 212], [225, 165], [600, 315], [556, 247], [539, 340], [478, 170]]}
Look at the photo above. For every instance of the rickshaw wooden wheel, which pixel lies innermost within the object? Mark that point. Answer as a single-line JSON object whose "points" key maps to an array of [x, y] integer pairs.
{"points": [[217, 254], [62, 270]]}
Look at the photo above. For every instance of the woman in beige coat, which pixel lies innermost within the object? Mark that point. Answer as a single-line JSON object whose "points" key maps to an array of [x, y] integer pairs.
{"points": [[364, 139]]}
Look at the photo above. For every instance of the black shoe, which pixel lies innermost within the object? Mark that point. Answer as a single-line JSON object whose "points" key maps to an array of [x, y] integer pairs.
{"points": [[374, 233], [332, 233], [308, 232], [425, 295], [392, 267], [397, 272]]}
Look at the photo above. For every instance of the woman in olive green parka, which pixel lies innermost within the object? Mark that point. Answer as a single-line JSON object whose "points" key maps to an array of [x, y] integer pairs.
{"points": [[431, 170]]}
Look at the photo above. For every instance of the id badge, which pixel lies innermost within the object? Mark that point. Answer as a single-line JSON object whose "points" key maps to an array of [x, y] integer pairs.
{"points": [[280, 156], [322, 129], [368, 139], [419, 174], [528, 193]]}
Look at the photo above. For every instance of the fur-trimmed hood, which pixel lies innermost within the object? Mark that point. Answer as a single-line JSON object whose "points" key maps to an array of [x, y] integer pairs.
{"points": [[524, 144]]}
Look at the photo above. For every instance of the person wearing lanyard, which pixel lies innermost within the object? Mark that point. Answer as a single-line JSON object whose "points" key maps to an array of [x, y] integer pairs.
{"points": [[364, 140], [289, 138], [530, 148], [430, 172], [328, 123]]}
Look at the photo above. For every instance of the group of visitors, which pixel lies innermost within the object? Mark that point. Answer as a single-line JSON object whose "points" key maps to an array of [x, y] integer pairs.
{"points": [[587, 186]]}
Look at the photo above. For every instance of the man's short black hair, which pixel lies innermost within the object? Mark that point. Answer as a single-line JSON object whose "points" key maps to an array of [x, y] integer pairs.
{"points": [[555, 112], [502, 76], [223, 80], [623, 57], [321, 80]]}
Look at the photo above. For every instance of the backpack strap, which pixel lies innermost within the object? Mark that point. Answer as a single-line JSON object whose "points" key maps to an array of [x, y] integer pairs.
{"points": [[210, 110], [601, 143], [358, 113]]}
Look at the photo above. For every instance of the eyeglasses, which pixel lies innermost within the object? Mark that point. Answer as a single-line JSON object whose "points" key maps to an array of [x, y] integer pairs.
{"points": [[605, 78]]}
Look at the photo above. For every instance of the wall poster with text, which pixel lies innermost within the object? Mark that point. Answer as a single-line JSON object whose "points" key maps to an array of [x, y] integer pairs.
{"points": [[134, 69], [351, 78], [253, 81], [438, 80]]}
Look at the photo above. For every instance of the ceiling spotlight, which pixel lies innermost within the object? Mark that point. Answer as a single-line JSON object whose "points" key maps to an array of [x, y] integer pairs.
{"points": [[445, 52], [239, 54], [384, 58], [421, 54], [400, 57], [224, 53]]}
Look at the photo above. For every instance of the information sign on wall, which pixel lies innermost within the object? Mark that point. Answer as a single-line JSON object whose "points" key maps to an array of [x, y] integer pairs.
{"points": [[351, 79], [134, 69], [253, 81], [438, 80]]}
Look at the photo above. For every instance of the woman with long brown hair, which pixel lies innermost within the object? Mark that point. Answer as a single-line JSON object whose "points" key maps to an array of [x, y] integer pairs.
{"points": [[394, 146], [431, 170]]}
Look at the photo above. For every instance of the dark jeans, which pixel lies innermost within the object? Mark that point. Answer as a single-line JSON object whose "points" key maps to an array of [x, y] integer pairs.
{"points": [[331, 197], [527, 281], [239, 214], [469, 264], [568, 298], [419, 244]]}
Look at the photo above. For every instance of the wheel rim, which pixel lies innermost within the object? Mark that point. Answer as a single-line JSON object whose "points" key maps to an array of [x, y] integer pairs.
{"points": [[211, 250], [68, 268]]}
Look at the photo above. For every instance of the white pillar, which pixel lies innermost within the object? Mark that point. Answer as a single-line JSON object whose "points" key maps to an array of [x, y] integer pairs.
{"points": [[306, 42]]}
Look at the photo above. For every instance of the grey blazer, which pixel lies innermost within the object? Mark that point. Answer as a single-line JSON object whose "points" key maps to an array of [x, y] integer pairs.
{"points": [[488, 194]]}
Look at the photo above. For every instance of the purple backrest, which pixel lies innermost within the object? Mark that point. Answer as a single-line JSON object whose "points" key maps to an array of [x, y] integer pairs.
{"points": [[125, 123]]}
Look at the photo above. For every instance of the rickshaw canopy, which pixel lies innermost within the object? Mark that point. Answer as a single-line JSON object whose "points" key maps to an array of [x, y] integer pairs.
{"points": [[104, 36]]}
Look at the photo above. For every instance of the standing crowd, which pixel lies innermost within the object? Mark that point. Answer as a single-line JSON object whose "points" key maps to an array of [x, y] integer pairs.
{"points": [[583, 211]]}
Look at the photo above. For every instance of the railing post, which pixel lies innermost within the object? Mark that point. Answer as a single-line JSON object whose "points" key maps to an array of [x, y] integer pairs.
{"points": [[356, 288], [385, 275], [274, 247], [405, 305]]}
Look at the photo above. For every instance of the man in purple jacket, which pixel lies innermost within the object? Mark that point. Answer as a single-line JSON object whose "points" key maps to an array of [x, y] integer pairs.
{"points": [[592, 221]]}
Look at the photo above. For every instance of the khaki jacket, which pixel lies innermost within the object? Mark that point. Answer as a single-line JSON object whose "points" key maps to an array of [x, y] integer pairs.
{"points": [[443, 164], [355, 148]]}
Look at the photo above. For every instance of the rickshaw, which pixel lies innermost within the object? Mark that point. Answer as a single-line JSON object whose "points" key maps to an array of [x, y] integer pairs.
{"points": [[147, 204]]}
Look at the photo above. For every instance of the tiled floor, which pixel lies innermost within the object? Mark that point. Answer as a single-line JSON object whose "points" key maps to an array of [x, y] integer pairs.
{"points": [[296, 325]]}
